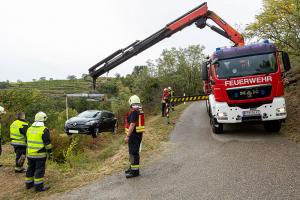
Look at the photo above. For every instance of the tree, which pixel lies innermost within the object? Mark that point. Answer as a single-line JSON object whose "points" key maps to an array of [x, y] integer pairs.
{"points": [[178, 68], [4, 85], [42, 78], [117, 75], [86, 77], [71, 77], [280, 22]]}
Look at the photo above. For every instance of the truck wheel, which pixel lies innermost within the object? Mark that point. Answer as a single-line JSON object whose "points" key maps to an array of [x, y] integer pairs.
{"points": [[272, 126], [216, 127], [95, 133], [207, 106]]}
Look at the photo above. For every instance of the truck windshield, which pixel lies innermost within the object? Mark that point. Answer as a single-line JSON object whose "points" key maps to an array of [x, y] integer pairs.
{"points": [[246, 66]]}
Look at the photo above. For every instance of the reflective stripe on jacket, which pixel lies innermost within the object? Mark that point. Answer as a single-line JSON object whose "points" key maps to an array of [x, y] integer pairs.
{"points": [[35, 144], [17, 138]]}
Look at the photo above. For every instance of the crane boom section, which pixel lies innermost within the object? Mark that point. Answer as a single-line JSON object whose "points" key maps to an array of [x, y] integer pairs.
{"points": [[198, 15], [233, 34]]}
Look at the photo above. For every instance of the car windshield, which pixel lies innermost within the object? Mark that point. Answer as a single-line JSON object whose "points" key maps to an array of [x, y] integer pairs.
{"points": [[246, 66], [89, 114]]}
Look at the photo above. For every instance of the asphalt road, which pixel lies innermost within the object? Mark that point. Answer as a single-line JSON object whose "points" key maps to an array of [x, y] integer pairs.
{"points": [[243, 163]]}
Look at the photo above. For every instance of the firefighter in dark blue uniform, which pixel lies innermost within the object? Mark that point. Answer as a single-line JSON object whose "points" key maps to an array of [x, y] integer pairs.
{"points": [[134, 128], [38, 149]]}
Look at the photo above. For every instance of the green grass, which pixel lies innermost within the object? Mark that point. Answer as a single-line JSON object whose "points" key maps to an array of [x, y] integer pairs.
{"points": [[102, 156]]}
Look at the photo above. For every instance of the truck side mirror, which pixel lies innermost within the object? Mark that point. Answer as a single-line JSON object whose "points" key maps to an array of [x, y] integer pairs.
{"points": [[204, 72], [286, 61]]}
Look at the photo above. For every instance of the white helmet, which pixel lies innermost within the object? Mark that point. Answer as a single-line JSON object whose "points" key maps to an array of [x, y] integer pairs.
{"points": [[40, 117], [2, 110], [134, 100], [169, 88]]}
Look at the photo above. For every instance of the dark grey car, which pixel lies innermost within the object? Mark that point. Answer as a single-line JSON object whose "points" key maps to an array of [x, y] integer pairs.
{"points": [[92, 122]]}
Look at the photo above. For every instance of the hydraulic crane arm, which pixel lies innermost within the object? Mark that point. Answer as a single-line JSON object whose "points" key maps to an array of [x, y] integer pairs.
{"points": [[198, 15]]}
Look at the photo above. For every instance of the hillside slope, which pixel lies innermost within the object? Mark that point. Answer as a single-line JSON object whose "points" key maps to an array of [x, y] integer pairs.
{"points": [[291, 128], [56, 88]]}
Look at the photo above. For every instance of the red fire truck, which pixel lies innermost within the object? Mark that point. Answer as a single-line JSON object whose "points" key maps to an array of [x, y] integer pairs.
{"points": [[243, 83]]}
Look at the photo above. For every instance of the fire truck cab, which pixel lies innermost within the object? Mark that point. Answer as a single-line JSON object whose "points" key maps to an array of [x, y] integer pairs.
{"points": [[244, 84]]}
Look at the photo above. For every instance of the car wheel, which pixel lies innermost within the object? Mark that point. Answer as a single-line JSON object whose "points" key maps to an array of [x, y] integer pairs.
{"points": [[95, 133], [115, 128]]}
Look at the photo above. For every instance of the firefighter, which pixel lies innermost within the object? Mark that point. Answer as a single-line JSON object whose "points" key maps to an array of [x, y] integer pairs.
{"points": [[134, 128], [2, 111], [164, 98], [18, 131], [38, 148]]}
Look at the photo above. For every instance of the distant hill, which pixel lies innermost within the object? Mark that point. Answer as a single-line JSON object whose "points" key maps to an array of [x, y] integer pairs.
{"points": [[55, 88]]}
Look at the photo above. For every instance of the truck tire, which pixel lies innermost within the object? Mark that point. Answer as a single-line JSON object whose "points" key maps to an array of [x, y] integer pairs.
{"points": [[216, 127], [207, 106], [272, 126]]}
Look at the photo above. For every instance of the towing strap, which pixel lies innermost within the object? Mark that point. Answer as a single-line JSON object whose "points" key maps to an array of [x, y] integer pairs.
{"points": [[188, 98]]}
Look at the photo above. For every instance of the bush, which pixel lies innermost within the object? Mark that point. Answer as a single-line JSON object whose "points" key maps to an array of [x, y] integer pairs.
{"points": [[60, 144], [6, 121], [66, 147]]}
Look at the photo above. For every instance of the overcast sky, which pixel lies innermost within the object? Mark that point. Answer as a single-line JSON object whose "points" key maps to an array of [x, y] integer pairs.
{"points": [[58, 38]]}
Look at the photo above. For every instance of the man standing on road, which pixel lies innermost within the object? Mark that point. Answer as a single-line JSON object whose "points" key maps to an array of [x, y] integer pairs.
{"points": [[165, 97], [18, 131], [134, 128], [38, 147], [2, 111]]}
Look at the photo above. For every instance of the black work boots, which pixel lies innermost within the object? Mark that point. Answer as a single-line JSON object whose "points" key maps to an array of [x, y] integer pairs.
{"points": [[20, 170], [29, 185], [41, 188], [38, 188], [132, 173]]}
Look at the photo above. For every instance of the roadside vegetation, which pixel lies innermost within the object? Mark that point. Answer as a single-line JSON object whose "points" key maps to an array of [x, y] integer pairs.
{"points": [[79, 159], [86, 159], [279, 21]]}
